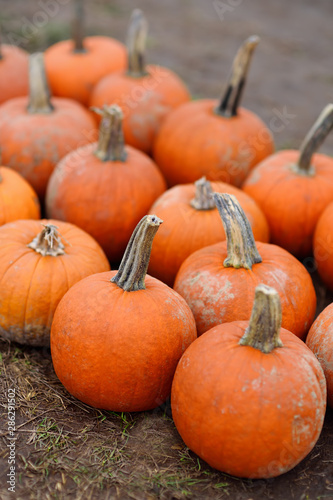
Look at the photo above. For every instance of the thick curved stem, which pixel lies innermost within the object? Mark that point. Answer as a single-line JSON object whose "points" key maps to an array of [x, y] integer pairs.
{"points": [[48, 242], [313, 140], [133, 267], [231, 97], [136, 44], [263, 332], [39, 92], [241, 247], [111, 146], [203, 199], [77, 26]]}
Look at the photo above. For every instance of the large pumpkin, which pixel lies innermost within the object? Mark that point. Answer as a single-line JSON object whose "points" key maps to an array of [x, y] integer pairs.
{"points": [[294, 187], [218, 281], [323, 246], [37, 267], [192, 221], [36, 132], [217, 139], [249, 397], [105, 188], [13, 72], [145, 93], [117, 337]]}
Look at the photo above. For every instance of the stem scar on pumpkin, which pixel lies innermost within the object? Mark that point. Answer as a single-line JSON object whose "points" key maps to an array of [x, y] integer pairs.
{"points": [[203, 199], [136, 44], [263, 332], [111, 145], [39, 92], [133, 267], [48, 242]]}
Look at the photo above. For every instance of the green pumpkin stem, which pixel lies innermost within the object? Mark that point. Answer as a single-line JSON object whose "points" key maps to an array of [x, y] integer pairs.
{"points": [[241, 247], [136, 44], [111, 146], [133, 267], [48, 242], [77, 26], [263, 332], [203, 199], [313, 140], [39, 92], [231, 97]]}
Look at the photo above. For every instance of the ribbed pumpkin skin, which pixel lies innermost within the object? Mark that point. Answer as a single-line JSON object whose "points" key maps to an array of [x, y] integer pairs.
{"points": [[323, 246], [32, 144], [145, 101], [32, 284], [193, 141], [74, 74], [119, 350], [292, 203], [186, 229], [106, 199], [13, 72], [246, 413], [320, 341], [17, 198], [218, 294]]}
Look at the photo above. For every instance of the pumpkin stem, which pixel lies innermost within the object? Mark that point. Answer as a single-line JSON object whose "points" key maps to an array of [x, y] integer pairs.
{"points": [[230, 100], [77, 26], [241, 247], [136, 43], [111, 146], [203, 199], [313, 140], [263, 332], [48, 242], [39, 92], [133, 267], [1, 54]]}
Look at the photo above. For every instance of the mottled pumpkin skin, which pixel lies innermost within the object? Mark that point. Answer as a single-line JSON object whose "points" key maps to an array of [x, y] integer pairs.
{"points": [[17, 198], [106, 199], [13, 73], [323, 246], [119, 350], [244, 412], [32, 144], [292, 203], [145, 101], [320, 341], [74, 74], [194, 141], [32, 284], [218, 294], [186, 229]]}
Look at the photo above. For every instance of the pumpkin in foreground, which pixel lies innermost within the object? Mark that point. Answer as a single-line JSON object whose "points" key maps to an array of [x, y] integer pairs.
{"points": [[117, 337], [249, 397]]}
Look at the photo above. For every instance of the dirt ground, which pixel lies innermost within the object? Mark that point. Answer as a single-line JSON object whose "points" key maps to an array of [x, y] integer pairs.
{"points": [[65, 449]]}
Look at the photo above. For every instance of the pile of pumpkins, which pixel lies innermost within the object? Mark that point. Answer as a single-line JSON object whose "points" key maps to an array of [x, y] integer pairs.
{"points": [[128, 169]]}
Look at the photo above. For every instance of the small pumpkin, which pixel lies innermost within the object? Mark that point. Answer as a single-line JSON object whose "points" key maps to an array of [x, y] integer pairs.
{"points": [[37, 267], [126, 329], [218, 282], [36, 132], [294, 187], [105, 188], [192, 221], [323, 246], [249, 397], [13, 72], [145, 93], [75, 66], [17, 198], [217, 139]]}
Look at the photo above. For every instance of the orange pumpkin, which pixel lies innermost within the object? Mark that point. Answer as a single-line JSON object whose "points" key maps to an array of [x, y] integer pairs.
{"points": [[74, 66], [294, 187], [215, 139], [218, 281], [323, 246], [249, 397], [191, 222], [146, 94], [13, 72], [105, 188], [36, 133], [37, 267], [17, 198], [127, 329]]}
